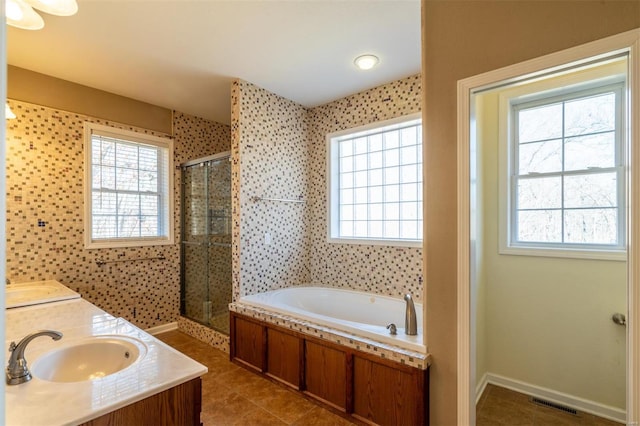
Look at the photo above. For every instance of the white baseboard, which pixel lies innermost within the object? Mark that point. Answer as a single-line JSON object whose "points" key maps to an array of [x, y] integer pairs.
{"points": [[162, 328], [584, 405], [482, 385]]}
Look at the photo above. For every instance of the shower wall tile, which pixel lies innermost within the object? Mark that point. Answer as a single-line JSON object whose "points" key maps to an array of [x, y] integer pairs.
{"points": [[279, 151], [45, 175], [270, 149], [392, 271]]}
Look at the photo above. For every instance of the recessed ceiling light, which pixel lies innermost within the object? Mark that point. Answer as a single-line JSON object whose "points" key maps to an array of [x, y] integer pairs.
{"points": [[366, 62]]}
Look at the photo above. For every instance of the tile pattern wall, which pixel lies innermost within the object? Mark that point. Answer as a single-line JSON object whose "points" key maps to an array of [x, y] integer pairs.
{"points": [[278, 150], [391, 271], [45, 164], [270, 152]]}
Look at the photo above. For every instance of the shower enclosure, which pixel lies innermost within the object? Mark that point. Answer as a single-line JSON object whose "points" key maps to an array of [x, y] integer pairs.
{"points": [[206, 241]]}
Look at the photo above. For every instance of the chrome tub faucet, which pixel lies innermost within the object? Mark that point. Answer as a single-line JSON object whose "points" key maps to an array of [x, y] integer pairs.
{"points": [[17, 371], [410, 321]]}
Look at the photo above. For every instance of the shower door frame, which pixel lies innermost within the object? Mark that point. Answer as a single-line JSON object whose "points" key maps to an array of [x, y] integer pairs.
{"points": [[183, 166]]}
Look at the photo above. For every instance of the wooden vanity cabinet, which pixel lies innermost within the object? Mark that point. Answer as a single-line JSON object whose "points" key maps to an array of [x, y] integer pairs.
{"points": [[180, 405], [355, 383]]}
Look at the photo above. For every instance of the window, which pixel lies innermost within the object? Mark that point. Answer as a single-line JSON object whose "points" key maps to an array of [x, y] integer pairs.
{"points": [[567, 172], [129, 188], [375, 183]]}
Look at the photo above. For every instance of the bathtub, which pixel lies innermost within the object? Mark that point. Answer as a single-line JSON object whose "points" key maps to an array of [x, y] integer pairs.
{"points": [[359, 313]]}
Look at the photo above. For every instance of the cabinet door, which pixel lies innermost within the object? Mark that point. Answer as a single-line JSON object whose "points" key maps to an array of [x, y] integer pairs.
{"points": [[326, 374], [249, 343], [284, 357], [387, 396]]}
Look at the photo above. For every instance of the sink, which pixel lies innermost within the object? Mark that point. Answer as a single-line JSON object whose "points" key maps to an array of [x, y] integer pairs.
{"points": [[33, 293], [89, 359]]}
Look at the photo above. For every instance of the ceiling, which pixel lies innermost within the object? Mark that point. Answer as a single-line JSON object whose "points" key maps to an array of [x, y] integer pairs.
{"points": [[183, 54]]}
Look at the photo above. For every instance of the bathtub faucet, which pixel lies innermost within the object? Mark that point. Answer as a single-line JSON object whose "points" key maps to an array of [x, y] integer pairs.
{"points": [[410, 321]]}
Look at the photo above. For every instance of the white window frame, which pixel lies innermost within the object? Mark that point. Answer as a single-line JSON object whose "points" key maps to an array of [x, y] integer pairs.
{"points": [[333, 191], [166, 220], [567, 87]]}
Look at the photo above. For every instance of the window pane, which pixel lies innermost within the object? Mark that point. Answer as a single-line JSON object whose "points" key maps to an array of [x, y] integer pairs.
{"points": [[409, 211], [539, 193], [360, 162], [128, 226], [126, 179], [375, 160], [592, 190], [103, 226], [376, 229], [360, 228], [375, 142], [391, 140], [540, 157], [392, 229], [360, 179], [409, 192], [376, 194], [346, 196], [375, 177], [346, 228], [360, 195], [148, 158], [392, 157], [346, 164], [346, 148], [590, 115], [391, 211], [148, 181], [126, 156], [346, 212], [409, 229], [409, 173], [148, 226], [544, 226], [149, 205], [360, 146], [376, 211], [107, 177], [103, 203], [391, 193], [408, 136], [584, 152], [360, 212], [587, 226], [128, 204], [540, 123], [346, 180], [391, 175], [408, 155]]}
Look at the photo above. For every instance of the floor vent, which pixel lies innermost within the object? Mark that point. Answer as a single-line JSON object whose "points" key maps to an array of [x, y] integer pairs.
{"points": [[554, 405]]}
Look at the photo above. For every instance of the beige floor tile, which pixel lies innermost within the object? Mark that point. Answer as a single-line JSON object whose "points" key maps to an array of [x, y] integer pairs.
{"points": [[321, 417]]}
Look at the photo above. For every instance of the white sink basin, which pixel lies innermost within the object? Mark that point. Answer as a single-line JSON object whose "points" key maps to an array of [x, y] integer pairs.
{"points": [[33, 293], [89, 359]]}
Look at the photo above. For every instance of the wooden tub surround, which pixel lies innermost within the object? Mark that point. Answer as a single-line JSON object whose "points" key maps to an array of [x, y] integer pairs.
{"points": [[366, 387]]}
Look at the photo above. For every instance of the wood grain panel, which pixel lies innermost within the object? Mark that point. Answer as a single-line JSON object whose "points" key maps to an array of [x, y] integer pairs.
{"points": [[283, 357], [326, 374], [180, 405], [387, 396], [249, 344]]}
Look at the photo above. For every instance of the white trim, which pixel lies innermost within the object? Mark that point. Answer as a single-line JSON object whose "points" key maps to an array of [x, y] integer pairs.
{"points": [[166, 143], [581, 404], [625, 42], [162, 328], [481, 387]]}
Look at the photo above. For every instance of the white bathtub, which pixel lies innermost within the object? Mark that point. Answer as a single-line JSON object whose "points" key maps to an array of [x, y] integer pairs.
{"points": [[359, 313]]}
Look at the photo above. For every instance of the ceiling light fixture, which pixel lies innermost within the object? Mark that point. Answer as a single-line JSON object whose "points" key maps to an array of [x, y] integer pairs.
{"points": [[366, 62], [20, 13], [8, 114]]}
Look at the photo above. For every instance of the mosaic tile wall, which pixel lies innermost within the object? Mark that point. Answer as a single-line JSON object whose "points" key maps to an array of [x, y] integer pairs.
{"points": [[278, 150], [391, 271], [270, 151], [45, 215]]}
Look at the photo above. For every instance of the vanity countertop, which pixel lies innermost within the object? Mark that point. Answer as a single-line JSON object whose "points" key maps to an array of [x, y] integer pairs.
{"points": [[40, 402]]}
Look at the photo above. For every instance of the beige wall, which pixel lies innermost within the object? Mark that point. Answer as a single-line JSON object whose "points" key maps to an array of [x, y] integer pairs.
{"points": [[41, 89], [462, 39]]}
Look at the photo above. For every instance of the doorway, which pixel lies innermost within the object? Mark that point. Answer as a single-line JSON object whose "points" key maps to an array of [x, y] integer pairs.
{"points": [[539, 327]]}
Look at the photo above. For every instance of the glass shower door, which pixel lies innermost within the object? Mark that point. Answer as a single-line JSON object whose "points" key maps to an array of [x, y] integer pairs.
{"points": [[206, 242]]}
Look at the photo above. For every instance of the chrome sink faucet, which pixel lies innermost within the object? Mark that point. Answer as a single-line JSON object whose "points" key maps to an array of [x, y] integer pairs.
{"points": [[17, 371], [410, 321]]}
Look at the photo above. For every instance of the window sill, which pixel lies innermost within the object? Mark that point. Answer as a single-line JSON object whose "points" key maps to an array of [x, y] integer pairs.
{"points": [[611, 255], [124, 243], [364, 242]]}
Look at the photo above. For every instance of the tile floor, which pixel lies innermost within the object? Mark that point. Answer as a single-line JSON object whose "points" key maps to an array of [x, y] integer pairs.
{"points": [[233, 396], [500, 406]]}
